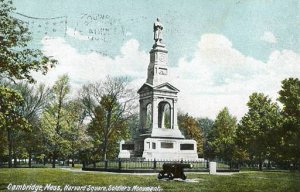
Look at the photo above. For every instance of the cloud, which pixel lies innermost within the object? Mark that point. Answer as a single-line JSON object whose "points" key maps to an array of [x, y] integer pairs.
{"points": [[89, 67], [215, 55], [76, 34], [269, 37], [217, 76]]}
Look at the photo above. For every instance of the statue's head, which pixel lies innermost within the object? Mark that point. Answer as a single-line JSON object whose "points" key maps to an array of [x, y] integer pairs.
{"points": [[157, 19]]}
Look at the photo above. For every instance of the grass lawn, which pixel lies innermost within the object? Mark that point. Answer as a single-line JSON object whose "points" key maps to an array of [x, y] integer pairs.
{"points": [[244, 181]]}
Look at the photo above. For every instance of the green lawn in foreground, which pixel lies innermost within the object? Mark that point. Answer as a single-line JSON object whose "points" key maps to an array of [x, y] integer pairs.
{"points": [[247, 181]]}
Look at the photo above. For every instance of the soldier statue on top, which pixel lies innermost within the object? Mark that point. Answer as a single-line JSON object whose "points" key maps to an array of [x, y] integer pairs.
{"points": [[157, 29]]}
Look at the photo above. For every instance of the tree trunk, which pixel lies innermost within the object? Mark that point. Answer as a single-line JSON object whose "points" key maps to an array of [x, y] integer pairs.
{"points": [[108, 124], [30, 156], [9, 140], [105, 150], [260, 164], [73, 161], [44, 160], [15, 160], [105, 158], [53, 160]]}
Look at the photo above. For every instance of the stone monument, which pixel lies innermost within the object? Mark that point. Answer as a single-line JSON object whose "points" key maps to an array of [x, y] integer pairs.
{"points": [[159, 136]]}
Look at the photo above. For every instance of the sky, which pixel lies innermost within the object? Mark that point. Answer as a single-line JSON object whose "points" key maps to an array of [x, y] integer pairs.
{"points": [[220, 52]]}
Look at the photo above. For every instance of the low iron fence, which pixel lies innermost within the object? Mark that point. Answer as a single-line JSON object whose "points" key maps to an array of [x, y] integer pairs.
{"points": [[128, 165], [131, 164], [152, 166], [37, 164]]}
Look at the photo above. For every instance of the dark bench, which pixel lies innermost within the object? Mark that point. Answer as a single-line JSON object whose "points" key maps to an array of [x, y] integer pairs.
{"points": [[173, 170]]}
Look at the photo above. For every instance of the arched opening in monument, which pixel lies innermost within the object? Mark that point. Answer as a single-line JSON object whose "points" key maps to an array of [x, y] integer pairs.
{"points": [[148, 116], [164, 115]]}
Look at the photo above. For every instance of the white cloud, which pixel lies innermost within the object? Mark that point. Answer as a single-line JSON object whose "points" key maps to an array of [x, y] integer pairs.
{"points": [[218, 75], [269, 37], [76, 34], [89, 67], [215, 55]]}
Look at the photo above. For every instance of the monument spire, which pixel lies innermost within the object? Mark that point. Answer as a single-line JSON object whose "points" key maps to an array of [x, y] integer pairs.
{"points": [[158, 66]]}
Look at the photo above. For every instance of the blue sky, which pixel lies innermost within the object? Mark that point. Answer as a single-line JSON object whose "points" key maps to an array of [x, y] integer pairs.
{"points": [[219, 51]]}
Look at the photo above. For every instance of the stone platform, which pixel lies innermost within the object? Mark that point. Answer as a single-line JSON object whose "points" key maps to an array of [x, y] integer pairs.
{"points": [[169, 149]]}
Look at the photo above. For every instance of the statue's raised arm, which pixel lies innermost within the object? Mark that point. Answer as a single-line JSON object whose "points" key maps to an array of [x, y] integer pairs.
{"points": [[157, 29]]}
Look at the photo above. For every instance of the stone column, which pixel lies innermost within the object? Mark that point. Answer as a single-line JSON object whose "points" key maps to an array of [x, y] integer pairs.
{"points": [[175, 114], [172, 115], [141, 115], [155, 113]]}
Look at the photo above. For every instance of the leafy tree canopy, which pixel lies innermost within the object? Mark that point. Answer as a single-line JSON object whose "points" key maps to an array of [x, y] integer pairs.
{"points": [[221, 138], [257, 129], [191, 130], [289, 96], [206, 124], [17, 60]]}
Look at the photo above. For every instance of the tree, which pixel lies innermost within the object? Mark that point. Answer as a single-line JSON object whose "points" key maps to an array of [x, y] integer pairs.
{"points": [[3, 145], [191, 130], [133, 125], [104, 137], [55, 126], [109, 104], [11, 120], [221, 137], [77, 130], [35, 100], [289, 96], [257, 130], [17, 61], [206, 124]]}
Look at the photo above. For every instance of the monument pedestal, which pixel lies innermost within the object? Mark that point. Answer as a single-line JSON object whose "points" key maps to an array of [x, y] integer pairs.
{"points": [[165, 149], [124, 151]]}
